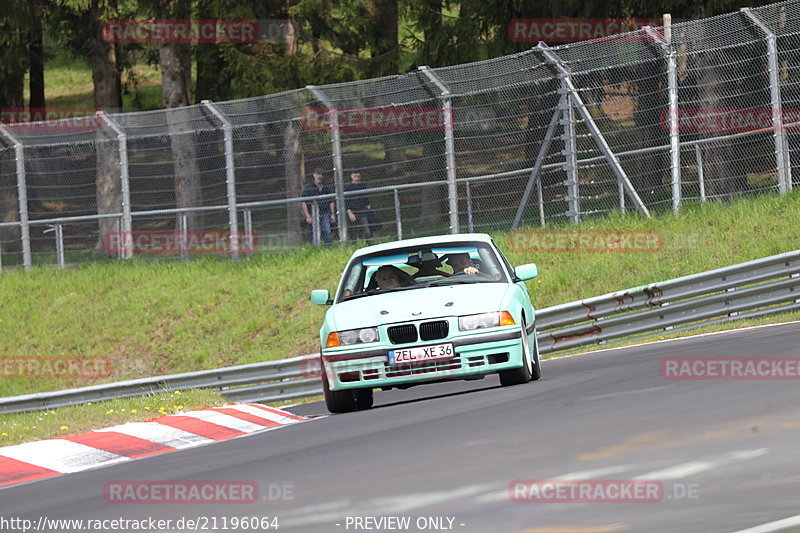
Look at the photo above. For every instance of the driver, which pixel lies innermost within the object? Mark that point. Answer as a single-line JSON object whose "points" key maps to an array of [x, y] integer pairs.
{"points": [[462, 264]]}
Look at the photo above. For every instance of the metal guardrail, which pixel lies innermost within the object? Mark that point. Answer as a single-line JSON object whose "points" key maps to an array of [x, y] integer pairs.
{"points": [[755, 288]]}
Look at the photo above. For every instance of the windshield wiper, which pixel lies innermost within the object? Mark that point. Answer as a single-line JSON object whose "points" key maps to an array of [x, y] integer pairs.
{"points": [[444, 282]]}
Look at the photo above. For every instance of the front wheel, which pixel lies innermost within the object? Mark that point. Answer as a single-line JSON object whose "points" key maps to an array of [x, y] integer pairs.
{"points": [[523, 374], [345, 401]]}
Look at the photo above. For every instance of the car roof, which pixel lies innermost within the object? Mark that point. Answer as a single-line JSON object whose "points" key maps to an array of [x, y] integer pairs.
{"points": [[423, 241]]}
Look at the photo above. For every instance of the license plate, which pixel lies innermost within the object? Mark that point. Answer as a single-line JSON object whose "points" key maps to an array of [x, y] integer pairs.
{"points": [[421, 353]]}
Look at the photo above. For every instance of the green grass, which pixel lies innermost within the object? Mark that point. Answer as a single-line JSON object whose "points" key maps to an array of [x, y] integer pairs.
{"points": [[36, 425], [159, 317]]}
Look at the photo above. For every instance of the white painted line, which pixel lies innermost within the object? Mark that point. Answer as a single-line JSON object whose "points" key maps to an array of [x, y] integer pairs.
{"points": [[679, 471], [61, 455], [614, 394], [502, 495], [723, 332], [773, 526], [160, 434], [598, 472], [227, 421], [695, 467], [267, 415]]}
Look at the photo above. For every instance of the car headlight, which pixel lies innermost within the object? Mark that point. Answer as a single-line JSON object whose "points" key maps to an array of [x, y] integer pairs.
{"points": [[485, 320], [351, 336]]}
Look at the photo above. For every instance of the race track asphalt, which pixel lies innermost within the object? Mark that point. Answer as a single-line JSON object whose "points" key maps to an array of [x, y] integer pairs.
{"points": [[726, 454]]}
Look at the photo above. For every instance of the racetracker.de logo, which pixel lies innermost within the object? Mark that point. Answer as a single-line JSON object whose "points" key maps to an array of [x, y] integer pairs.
{"points": [[572, 30], [585, 241], [165, 242], [181, 492], [181, 31], [721, 120], [399, 118], [730, 368], [586, 490], [72, 119], [50, 367]]}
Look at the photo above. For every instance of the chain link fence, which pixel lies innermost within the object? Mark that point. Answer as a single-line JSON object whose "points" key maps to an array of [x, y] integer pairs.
{"points": [[648, 121]]}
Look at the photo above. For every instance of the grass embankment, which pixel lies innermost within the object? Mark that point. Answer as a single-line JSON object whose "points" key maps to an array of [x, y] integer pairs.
{"points": [[154, 318]]}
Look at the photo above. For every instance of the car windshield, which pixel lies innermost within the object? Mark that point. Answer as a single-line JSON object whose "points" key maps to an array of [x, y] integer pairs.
{"points": [[419, 267]]}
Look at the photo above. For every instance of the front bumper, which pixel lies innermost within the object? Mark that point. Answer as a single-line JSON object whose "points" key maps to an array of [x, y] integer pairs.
{"points": [[481, 353]]}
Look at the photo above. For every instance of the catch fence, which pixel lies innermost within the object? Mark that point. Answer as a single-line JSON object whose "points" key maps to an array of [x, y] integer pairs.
{"points": [[646, 121]]}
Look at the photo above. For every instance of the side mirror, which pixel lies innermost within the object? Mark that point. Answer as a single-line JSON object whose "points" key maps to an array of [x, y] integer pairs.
{"points": [[526, 272], [321, 297]]}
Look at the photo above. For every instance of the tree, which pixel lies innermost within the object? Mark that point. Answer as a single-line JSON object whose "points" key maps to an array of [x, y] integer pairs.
{"points": [[78, 24]]}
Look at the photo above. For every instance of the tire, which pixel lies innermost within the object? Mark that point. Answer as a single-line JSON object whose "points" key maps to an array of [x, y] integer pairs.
{"points": [[536, 375], [345, 401], [523, 374]]}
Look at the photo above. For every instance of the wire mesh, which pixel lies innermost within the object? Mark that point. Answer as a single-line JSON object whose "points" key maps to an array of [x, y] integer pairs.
{"points": [[515, 129]]}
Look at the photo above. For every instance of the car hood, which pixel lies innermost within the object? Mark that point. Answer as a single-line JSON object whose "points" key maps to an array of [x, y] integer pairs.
{"points": [[419, 304]]}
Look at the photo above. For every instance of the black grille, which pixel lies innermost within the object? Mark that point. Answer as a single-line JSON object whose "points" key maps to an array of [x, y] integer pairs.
{"points": [[403, 334], [429, 331]]}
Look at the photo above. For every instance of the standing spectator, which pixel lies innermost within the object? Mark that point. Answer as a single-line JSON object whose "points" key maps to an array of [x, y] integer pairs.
{"points": [[327, 208], [358, 207]]}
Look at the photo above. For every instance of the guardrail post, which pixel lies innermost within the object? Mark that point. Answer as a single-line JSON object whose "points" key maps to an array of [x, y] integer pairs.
{"points": [[126, 230], [665, 43], [338, 177], [22, 197], [570, 154], [782, 158], [598, 136], [534, 175], [230, 177], [700, 172], [449, 146], [397, 215]]}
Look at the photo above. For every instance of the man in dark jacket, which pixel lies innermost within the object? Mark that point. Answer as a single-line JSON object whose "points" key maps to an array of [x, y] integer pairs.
{"points": [[326, 206], [357, 204]]}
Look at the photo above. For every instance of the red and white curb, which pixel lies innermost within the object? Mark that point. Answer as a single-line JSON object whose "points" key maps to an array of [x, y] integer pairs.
{"points": [[48, 458]]}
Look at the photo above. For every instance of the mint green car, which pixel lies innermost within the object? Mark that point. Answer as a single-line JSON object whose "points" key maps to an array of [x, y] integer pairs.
{"points": [[426, 310]]}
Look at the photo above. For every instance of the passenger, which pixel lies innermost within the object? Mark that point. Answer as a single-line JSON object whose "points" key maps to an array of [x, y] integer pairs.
{"points": [[389, 277]]}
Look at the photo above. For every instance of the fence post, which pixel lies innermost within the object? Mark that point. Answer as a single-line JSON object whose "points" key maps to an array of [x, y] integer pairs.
{"points": [[782, 158], [230, 177], [316, 230], [449, 146], [248, 232], [570, 153], [126, 231], [397, 215], [671, 56], [534, 175], [470, 222], [598, 136], [338, 177], [22, 197], [183, 230], [700, 173], [59, 246]]}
